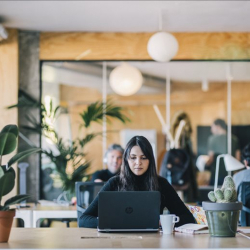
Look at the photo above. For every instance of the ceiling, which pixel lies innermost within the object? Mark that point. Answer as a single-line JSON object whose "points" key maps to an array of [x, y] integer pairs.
{"points": [[127, 16], [140, 16], [90, 74]]}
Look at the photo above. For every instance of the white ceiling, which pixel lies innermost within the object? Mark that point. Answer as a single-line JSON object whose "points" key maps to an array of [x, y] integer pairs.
{"points": [[195, 71], [139, 16], [127, 16], [90, 74]]}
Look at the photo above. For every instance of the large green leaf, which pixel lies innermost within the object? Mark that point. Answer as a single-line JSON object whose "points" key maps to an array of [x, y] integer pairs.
{"points": [[7, 183], [8, 142], [15, 200], [22, 155], [1, 172], [10, 170], [12, 128]]}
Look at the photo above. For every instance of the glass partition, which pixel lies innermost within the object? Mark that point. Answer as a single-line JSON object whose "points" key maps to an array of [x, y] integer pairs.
{"points": [[198, 95]]}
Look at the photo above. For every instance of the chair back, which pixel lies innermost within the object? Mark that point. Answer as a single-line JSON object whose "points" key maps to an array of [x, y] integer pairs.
{"points": [[245, 199], [85, 194]]}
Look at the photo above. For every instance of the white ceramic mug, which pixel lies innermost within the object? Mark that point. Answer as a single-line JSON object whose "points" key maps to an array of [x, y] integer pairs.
{"points": [[167, 222]]}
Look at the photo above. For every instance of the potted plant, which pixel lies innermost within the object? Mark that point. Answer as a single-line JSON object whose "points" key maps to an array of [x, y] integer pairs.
{"points": [[8, 143], [68, 153], [222, 212]]}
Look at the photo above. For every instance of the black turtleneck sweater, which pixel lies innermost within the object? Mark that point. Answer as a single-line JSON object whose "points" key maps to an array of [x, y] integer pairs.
{"points": [[103, 175], [169, 199]]}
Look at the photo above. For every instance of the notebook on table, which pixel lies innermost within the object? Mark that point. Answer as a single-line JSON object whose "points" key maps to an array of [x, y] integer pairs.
{"points": [[128, 211]]}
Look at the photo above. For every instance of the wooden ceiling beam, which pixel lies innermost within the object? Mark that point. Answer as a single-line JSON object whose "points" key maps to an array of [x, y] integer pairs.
{"points": [[133, 46]]}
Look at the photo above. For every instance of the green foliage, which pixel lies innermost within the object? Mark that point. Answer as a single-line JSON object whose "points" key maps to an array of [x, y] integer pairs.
{"points": [[8, 143], [96, 110], [70, 154], [226, 194]]}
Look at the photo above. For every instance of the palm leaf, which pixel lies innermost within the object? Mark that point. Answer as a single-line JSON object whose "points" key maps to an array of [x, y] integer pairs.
{"points": [[80, 170], [88, 138], [94, 113], [25, 101], [96, 110]]}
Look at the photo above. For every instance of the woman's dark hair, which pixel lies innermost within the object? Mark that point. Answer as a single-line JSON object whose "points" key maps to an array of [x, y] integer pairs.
{"points": [[246, 154], [221, 123], [127, 177]]}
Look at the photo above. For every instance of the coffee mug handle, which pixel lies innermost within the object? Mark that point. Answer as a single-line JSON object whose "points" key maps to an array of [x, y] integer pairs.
{"points": [[176, 219]]}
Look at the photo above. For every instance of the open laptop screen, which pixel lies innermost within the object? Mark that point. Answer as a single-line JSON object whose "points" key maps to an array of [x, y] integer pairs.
{"points": [[128, 211]]}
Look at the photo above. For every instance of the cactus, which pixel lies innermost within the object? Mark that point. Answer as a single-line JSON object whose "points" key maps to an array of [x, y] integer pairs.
{"points": [[226, 194], [211, 196], [228, 182], [219, 194]]}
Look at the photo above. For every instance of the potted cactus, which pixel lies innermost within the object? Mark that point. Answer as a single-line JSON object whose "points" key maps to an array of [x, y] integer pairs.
{"points": [[222, 212], [8, 143]]}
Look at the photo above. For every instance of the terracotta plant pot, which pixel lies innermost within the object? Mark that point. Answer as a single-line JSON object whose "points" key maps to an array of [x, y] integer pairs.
{"points": [[222, 218], [6, 219]]}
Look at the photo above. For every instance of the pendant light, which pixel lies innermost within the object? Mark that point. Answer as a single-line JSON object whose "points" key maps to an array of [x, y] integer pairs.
{"points": [[125, 80], [162, 46]]}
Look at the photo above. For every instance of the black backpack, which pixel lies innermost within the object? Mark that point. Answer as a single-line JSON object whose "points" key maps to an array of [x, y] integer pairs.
{"points": [[175, 165]]}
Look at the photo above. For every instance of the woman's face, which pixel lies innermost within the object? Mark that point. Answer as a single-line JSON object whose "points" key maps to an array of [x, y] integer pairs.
{"points": [[138, 163]]}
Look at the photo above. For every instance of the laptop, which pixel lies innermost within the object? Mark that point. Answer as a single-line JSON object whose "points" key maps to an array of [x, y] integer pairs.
{"points": [[128, 211]]}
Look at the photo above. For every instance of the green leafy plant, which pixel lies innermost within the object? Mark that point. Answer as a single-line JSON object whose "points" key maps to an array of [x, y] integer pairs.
{"points": [[70, 154], [226, 194], [8, 143]]}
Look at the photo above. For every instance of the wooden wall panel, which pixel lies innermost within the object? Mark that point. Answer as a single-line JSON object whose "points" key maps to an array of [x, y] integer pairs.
{"points": [[8, 84], [133, 46]]}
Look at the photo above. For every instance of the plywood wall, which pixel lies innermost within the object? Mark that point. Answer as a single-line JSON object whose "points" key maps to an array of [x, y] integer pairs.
{"points": [[8, 84]]}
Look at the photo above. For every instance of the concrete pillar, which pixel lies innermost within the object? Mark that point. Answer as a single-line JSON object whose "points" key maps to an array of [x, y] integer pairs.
{"points": [[29, 82]]}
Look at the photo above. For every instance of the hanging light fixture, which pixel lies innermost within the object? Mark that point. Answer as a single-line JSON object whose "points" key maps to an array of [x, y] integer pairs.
{"points": [[125, 80], [162, 46]]}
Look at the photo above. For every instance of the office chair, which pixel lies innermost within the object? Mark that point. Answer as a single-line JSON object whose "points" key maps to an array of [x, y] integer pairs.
{"points": [[245, 199], [85, 194]]}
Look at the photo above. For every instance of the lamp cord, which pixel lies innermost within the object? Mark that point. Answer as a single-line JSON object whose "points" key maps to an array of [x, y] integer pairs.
{"points": [[160, 20]]}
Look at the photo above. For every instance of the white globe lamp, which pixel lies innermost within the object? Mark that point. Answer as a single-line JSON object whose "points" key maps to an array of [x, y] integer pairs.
{"points": [[162, 46], [125, 80]]}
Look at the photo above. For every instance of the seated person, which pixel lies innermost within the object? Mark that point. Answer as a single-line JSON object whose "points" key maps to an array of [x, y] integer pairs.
{"points": [[244, 175], [138, 173], [113, 158]]}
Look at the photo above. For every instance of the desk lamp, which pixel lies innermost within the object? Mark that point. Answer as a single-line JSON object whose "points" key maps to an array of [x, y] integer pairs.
{"points": [[231, 164]]}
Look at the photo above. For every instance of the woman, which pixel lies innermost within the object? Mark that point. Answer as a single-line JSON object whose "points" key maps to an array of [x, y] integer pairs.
{"points": [[138, 173]]}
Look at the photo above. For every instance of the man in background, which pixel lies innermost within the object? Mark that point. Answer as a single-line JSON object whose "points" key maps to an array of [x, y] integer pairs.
{"points": [[113, 159], [217, 144]]}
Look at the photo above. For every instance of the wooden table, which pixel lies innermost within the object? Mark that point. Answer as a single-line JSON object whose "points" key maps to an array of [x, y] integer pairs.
{"points": [[83, 238]]}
